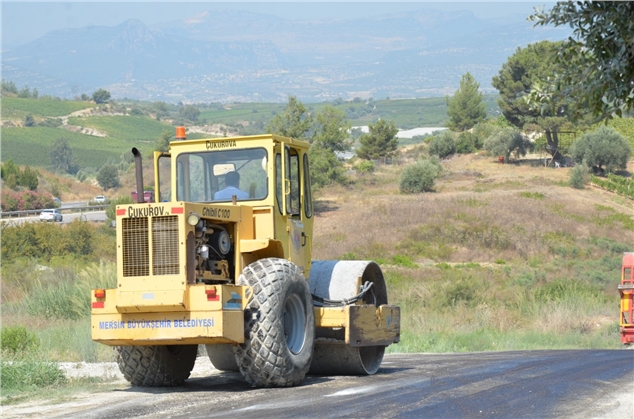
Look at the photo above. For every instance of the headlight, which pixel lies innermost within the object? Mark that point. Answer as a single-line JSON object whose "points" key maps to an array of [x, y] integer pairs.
{"points": [[193, 219]]}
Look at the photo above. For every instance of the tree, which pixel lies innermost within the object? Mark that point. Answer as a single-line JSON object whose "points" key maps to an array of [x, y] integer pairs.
{"points": [[28, 179], [524, 71], [331, 129], [25, 92], [380, 142], [108, 177], [101, 96], [189, 112], [62, 158], [465, 108], [507, 141], [29, 121], [163, 141], [602, 147], [443, 144], [9, 86], [161, 109], [11, 174], [596, 64], [325, 168], [294, 122], [420, 177]]}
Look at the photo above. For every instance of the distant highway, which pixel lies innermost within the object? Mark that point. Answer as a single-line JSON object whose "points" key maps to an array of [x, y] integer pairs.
{"points": [[92, 216]]}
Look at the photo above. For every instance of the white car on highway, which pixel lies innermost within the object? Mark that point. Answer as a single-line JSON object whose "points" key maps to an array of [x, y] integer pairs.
{"points": [[51, 215], [100, 199]]}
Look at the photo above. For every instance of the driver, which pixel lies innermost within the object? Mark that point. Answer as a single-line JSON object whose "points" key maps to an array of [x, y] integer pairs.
{"points": [[232, 182]]}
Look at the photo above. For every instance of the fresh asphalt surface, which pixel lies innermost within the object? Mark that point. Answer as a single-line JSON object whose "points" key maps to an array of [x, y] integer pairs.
{"points": [[523, 384]]}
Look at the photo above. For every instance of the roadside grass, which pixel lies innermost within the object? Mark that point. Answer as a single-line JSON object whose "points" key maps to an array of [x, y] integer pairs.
{"points": [[54, 305], [35, 379]]}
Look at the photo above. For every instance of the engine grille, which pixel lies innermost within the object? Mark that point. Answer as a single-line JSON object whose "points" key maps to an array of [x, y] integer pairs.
{"points": [[136, 246]]}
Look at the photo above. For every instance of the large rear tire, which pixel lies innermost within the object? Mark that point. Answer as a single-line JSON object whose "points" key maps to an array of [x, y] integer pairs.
{"points": [[156, 366], [279, 325]]}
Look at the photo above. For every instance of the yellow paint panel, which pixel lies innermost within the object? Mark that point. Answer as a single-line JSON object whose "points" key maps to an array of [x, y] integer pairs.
{"points": [[151, 301], [196, 327], [331, 317]]}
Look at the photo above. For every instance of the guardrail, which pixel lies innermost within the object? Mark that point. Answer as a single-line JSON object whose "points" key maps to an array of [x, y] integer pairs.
{"points": [[82, 208]]}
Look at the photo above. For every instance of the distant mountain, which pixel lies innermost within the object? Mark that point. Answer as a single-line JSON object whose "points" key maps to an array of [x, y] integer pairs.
{"points": [[243, 56]]}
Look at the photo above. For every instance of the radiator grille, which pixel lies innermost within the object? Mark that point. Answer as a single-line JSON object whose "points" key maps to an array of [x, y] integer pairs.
{"points": [[165, 245], [136, 256], [136, 246]]}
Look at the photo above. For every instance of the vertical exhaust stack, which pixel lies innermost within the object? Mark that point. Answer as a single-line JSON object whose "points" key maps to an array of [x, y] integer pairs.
{"points": [[138, 164]]}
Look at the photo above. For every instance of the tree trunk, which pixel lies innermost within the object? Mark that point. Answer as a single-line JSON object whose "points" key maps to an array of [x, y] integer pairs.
{"points": [[552, 145]]}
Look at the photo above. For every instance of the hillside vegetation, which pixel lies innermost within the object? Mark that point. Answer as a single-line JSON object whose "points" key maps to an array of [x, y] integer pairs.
{"points": [[500, 257], [98, 134]]}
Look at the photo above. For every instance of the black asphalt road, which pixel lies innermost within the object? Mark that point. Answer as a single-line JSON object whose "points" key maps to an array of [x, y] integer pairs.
{"points": [[523, 384]]}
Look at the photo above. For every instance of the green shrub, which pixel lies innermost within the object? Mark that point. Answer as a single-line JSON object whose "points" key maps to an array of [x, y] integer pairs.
{"points": [[46, 240], [420, 177], [459, 291], [365, 166], [443, 145], [466, 143], [579, 176], [18, 341]]}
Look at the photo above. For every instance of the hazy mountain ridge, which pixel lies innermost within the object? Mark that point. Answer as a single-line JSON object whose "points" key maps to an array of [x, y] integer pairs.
{"points": [[244, 56]]}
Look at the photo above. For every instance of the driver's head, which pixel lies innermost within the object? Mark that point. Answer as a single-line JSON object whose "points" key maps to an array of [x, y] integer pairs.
{"points": [[232, 179]]}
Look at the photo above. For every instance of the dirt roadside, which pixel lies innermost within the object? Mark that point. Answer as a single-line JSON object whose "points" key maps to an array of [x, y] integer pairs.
{"points": [[84, 400]]}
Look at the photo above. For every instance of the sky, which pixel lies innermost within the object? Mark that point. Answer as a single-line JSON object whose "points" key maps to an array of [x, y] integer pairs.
{"points": [[25, 21]]}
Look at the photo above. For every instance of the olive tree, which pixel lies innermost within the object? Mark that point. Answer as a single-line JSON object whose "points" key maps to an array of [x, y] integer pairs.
{"points": [[420, 176], [443, 144], [601, 148], [507, 141]]}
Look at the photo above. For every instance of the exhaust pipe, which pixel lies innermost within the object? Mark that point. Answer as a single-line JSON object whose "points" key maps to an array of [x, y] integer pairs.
{"points": [[138, 164]]}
